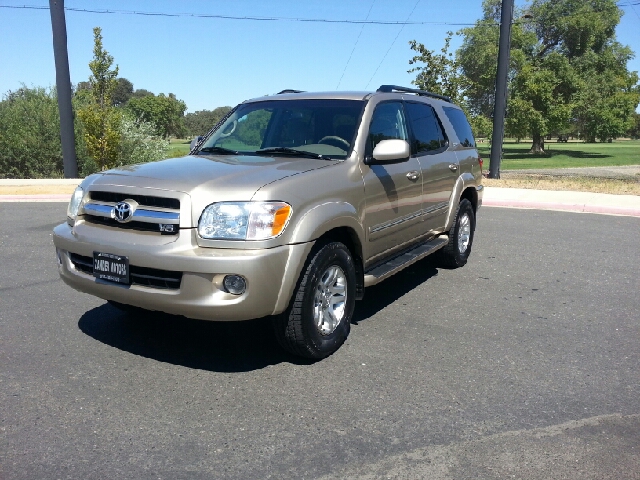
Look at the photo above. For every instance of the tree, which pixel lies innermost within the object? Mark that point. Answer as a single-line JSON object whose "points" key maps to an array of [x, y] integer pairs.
{"points": [[30, 135], [440, 73], [566, 69], [100, 120], [141, 92], [166, 113], [605, 104], [202, 121], [634, 131], [122, 92]]}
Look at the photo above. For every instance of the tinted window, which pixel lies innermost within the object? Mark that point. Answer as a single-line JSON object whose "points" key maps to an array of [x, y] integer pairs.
{"points": [[461, 126], [387, 123], [426, 129]]}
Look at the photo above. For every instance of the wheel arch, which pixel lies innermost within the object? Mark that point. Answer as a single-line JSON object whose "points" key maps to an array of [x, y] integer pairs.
{"points": [[465, 187], [349, 238]]}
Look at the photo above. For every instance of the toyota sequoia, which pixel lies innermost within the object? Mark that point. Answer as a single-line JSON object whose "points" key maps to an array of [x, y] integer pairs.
{"points": [[288, 208]]}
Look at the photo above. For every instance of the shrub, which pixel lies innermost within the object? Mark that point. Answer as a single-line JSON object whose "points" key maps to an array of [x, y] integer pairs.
{"points": [[139, 144], [30, 134]]}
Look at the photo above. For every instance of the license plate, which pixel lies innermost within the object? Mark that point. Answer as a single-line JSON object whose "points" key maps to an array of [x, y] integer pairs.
{"points": [[114, 268]]}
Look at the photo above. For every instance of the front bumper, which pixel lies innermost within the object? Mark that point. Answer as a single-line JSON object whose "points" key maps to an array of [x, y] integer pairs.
{"points": [[270, 273]]}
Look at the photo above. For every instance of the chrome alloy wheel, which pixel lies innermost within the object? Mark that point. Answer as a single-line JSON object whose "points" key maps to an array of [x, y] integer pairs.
{"points": [[330, 300], [464, 233]]}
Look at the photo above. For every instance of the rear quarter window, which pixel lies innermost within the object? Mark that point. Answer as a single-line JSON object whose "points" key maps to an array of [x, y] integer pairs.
{"points": [[461, 126]]}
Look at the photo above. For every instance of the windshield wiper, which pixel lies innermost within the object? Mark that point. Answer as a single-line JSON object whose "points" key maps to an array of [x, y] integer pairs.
{"points": [[219, 150], [291, 151]]}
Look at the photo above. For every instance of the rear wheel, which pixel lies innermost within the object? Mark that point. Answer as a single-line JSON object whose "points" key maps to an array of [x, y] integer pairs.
{"points": [[456, 252], [318, 319]]}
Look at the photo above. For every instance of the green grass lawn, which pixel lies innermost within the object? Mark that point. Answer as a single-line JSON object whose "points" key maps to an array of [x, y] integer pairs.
{"points": [[178, 147], [566, 155]]}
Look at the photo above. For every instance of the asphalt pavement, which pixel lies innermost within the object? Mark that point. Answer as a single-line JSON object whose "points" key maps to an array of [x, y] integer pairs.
{"points": [[522, 364]]}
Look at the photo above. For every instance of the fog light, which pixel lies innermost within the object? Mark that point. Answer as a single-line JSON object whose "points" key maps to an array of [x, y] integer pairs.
{"points": [[235, 284], [59, 258]]}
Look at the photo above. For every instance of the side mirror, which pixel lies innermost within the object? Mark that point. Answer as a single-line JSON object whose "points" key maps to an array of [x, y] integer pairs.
{"points": [[194, 142], [390, 151]]}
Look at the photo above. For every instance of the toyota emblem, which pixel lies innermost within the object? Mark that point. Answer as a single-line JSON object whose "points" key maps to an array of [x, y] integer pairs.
{"points": [[123, 212]]}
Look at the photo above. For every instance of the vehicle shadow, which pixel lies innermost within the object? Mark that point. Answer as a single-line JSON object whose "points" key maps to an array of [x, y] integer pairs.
{"points": [[214, 346], [224, 346], [384, 294]]}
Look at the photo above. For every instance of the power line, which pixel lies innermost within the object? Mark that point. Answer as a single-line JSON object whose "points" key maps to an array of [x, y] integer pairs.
{"points": [[354, 46], [391, 46], [234, 17]]}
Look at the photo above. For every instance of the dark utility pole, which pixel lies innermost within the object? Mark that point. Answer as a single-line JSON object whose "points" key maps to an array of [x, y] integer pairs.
{"points": [[63, 87], [500, 104]]}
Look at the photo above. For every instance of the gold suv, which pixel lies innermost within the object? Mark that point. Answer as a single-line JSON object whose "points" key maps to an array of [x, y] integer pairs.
{"points": [[288, 208]]}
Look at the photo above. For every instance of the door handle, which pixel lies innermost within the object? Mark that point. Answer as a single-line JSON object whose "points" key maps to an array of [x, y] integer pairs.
{"points": [[453, 167], [413, 175]]}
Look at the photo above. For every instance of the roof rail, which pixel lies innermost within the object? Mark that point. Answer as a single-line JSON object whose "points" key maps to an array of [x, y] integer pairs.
{"points": [[289, 90], [422, 93]]}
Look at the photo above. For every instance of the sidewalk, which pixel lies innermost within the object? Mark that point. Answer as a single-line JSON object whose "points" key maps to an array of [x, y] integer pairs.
{"points": [[585, 202], [59, 190]]}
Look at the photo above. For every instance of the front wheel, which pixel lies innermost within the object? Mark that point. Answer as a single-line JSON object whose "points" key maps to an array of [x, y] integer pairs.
{"points": [[318, 319], [456, 252]]}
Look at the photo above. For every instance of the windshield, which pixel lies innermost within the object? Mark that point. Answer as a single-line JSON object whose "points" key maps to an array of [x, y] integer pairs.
{"points": [[326, 128]]}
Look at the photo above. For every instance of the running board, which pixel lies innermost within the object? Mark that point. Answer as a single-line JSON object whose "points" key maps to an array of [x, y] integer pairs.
{"points": [[380, 272]]}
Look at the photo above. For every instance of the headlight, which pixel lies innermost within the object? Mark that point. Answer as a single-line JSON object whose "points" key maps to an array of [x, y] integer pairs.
{"points": [[74, 205], [244, 220]]}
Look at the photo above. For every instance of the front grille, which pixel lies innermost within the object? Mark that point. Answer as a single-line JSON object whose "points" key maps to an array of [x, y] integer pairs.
{"points": [[146, 200], [133, 225], [149, 277]]}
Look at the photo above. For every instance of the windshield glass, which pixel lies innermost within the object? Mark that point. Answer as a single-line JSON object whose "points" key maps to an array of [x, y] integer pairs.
{"points": [[322, 127]]}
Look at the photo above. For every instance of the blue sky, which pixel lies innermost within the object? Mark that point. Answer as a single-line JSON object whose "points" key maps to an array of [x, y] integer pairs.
{"points": [[212, 62]]}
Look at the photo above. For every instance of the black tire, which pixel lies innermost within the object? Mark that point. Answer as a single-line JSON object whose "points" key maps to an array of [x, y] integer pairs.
{"points": [[297, 328], [453, 255]]}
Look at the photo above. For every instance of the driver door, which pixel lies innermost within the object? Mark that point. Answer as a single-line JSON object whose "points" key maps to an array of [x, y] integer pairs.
{"points": [[393, 190]]}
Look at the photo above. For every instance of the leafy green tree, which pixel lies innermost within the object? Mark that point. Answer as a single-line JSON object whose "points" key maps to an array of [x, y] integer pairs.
{"points": [[202, 121], [438, 72], [477, 57], [166, 113], [566, 70], [100, 120], [605, 103], [141, 92], [30, 136], [482, 126], [634, 131], [122, 92]]}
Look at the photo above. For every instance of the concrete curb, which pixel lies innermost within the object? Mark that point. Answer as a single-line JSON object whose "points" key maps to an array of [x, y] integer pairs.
{"points": [[568, 201], [565, 207], [36, 198], [15, 182]]}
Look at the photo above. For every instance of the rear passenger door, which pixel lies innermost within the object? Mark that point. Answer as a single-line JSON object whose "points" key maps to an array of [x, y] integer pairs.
{"points": [[439, 166]]}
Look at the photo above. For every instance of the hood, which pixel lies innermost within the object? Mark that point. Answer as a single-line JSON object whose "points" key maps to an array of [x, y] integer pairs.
{"points": [[218, 178]]}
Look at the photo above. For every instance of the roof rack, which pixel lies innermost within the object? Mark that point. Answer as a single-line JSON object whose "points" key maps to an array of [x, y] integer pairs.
{"points": [[422, 93], [289, 90]]}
